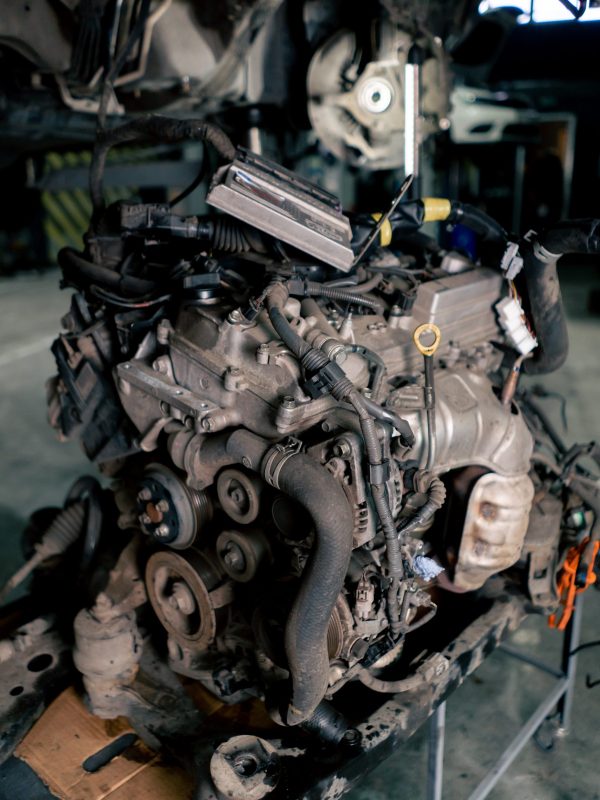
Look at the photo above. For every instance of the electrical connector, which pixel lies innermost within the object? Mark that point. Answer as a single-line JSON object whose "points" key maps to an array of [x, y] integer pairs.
{"points": [[512, 320]]}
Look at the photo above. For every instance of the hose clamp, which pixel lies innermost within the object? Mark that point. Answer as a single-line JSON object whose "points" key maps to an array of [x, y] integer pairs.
{"points": [[543, 255], [276, 457], [379, 473]]}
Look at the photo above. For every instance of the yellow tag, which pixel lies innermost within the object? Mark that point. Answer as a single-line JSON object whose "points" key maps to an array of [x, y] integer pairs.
{"points": [[385, 234], [427, 349]]}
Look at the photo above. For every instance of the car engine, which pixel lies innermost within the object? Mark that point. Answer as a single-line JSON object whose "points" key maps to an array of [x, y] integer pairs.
{"points": [[327, 486], [325, 492]]}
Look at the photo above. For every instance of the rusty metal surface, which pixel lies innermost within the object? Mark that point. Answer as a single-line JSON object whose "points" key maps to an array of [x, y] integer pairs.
{"points": [[494, 529], [310, 772], [394, 722]]}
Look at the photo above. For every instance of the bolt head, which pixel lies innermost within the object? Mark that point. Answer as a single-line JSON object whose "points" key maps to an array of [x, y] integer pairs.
{"points": [[341, 449], [238, 496], [163, 530], [234, 558], [144, 494], [288, 402], [235, 316], [182, 598]]}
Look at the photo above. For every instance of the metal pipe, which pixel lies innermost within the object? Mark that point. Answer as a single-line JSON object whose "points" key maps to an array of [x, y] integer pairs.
{"points": [[531, 660], [435, 754], [569, 663], [519, 742], [411, 117]]}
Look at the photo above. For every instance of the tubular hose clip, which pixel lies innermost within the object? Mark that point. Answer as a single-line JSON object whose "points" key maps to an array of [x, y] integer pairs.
{"points": [[276, 457], [379, 473], [574, 579], [544, 255]]}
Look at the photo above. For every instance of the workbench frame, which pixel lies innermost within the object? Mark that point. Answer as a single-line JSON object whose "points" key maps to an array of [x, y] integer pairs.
{"points": [[559, 700]]}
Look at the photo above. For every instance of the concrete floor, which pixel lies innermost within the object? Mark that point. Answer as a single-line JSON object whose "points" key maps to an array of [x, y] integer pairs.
{"points": [[483, 714]]}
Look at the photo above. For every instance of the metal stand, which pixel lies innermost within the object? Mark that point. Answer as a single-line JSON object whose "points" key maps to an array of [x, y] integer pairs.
{"points": [[561, 698]]}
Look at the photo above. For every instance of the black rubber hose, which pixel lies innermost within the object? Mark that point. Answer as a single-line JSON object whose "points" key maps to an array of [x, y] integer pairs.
{"points": [[391, 418], [163, 129], [327, 723], [408, 218], [540, 276], [572, 236], [232, 236], [543, 289], [544, 300], [478, 221], [301, 288], [305, 480], [275, 301], [75, 268]]}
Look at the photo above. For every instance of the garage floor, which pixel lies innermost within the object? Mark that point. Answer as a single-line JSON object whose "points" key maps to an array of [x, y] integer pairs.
{"points": [[483, 714]]}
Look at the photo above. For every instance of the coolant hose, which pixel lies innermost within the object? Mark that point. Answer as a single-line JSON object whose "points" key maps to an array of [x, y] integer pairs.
{"points": [[307, 482], [572, 236], [543, 289]]}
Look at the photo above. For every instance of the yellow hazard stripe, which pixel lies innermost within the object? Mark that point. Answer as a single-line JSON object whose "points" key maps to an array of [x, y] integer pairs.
{"points": [[67, 213]]}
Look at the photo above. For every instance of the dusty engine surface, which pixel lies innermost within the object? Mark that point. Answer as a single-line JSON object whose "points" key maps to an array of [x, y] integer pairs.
{"points": [[322, 469]]}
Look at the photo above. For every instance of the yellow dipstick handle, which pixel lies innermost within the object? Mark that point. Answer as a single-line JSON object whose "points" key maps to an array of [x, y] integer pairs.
{"points": [[427, 327]]}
